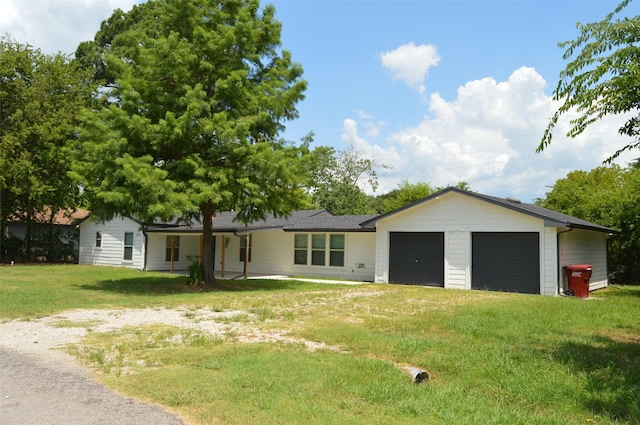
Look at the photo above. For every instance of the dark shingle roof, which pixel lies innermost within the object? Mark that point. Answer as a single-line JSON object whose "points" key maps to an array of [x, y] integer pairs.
{"points": [[326, 222], [551, 218], [224, 222]]}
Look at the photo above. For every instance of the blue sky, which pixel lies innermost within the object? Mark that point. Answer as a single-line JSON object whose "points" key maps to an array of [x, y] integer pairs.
{"points": [[439, 91]]}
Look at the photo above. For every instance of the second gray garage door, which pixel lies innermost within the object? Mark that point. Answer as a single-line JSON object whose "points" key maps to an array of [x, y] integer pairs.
{"points": [[506, 262], [416, 258]]}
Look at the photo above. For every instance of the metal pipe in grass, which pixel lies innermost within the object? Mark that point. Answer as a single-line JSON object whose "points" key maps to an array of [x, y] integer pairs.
{"points": [[418, 375]]}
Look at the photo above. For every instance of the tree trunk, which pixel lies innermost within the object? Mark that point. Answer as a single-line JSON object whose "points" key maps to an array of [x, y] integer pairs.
{"points": [[207, 260]]}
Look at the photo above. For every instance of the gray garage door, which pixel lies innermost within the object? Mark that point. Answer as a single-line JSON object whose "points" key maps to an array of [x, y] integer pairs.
{"points": [[506, 262], [416, 258]]}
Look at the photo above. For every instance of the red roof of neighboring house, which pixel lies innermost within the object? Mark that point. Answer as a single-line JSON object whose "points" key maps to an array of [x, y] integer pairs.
{"points": [[66, 217]]}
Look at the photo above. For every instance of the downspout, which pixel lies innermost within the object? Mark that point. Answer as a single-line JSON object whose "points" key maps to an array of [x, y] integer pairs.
{"points": [[560, 277]]}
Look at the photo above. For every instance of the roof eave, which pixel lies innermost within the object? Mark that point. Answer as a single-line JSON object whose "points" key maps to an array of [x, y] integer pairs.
{"points": [[334, 229]]}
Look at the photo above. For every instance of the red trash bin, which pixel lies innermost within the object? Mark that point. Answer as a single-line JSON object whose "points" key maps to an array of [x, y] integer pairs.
{"points": [[578, 276]]}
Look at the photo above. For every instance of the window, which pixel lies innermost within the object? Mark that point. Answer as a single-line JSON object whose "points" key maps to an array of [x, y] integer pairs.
{"points": [[128, 246], [98, 239], [243, 247], [320, 256], [301, 245], [172, 242], [336, 250], [318, 250]]}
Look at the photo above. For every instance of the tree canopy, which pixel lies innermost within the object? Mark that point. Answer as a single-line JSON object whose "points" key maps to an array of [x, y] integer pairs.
{"points": [[337, 177], [602, 78], [195, 95], [40, 99]]}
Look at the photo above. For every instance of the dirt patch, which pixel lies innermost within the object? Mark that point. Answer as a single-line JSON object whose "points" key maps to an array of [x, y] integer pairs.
{"points": [[41, 336]]}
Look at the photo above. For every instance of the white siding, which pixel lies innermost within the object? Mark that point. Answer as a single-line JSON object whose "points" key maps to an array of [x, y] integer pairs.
{"points": [[458, 216], [458, 260], [549, 261], [273, 253], [268, 253], [111, 251], [585, 247], [156, 251]]}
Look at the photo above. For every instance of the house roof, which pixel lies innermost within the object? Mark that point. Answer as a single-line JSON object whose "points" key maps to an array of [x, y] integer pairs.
{"points": [[550, 217], [327, 222], [317, 219]]}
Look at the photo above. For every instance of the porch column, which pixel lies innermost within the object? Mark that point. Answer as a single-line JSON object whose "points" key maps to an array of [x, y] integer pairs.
{"points": [[173, 242], [246, 255], [224, 249]]}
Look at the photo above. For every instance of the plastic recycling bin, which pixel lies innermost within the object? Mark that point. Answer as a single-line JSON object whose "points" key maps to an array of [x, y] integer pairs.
{"points": [[578, 276]]}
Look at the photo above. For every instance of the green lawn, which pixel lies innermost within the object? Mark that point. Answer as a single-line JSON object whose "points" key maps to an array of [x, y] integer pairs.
{"points": [[493, 358]]}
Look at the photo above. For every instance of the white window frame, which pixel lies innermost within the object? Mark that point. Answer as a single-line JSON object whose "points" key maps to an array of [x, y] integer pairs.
{"points": [[127, 247], [323, 247]]}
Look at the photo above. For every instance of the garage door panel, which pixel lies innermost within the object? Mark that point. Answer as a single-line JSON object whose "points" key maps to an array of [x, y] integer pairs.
{"points": [[416, 258], [506, 261]]}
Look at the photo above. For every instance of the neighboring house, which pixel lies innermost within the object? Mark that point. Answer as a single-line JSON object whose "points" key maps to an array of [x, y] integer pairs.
{"points": [[452, 239], [44, 236]]}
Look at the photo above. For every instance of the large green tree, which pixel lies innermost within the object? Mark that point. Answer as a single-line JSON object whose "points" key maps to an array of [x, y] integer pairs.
{"points": [[196, 94], [609, 196], [40, 99], [602, 78]]}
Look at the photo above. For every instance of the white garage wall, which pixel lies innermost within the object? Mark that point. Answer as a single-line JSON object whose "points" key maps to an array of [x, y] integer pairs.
{"points": [[549, 261], [584, 247], [457, 272]]}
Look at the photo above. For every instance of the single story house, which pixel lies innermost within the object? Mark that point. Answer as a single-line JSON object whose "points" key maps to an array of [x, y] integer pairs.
{"points": [[452, 239]]}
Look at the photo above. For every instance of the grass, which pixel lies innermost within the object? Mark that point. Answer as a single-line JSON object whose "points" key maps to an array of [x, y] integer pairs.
{"points": [[493, 358]]}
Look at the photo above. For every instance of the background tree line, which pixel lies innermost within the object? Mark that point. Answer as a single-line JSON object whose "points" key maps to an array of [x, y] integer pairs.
{"points": [[175, 108]]}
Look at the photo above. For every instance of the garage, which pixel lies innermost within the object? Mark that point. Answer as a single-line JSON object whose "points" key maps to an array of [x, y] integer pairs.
{"points": [[506, 261], [416, 258]]}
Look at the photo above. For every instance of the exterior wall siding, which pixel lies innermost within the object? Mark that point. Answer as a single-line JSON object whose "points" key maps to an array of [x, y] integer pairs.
{"points": [[585, 247], [549, 261], [156, 251], [457, 260], [111, 251], [273, 253]]}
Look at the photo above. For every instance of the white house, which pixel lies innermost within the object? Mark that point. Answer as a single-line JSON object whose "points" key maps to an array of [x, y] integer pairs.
{"points": [[452, 239]]}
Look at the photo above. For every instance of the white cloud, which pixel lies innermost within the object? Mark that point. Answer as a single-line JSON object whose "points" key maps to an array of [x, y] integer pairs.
{"points": [[410, 63], [56, 26], [487, 136]]}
